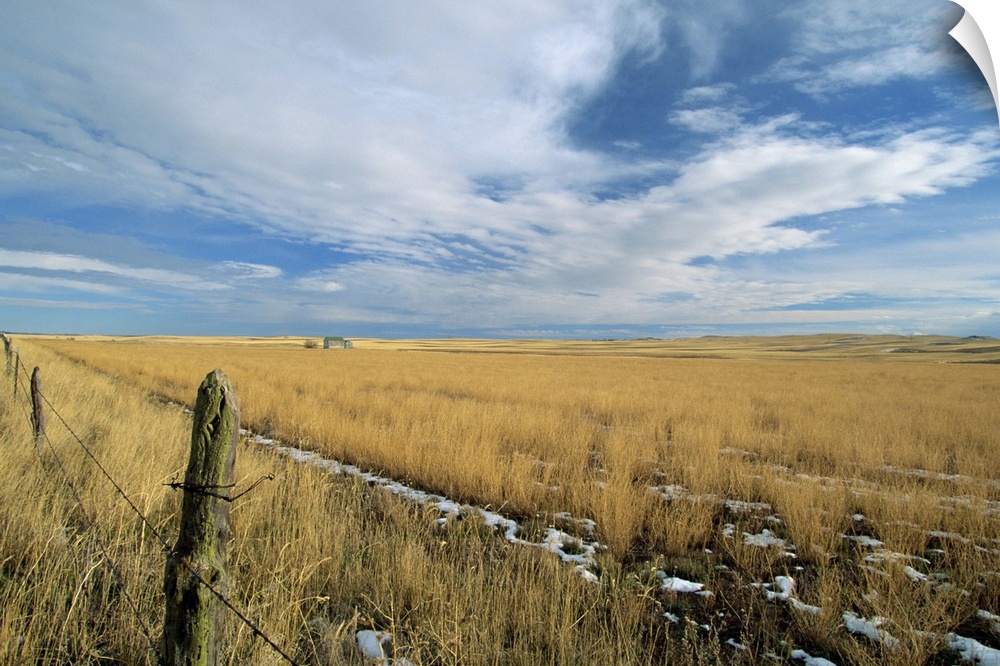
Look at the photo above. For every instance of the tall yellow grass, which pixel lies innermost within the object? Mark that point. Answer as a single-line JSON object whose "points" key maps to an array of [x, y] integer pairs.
{"points": [[912, 446], [314, 557], [544, 433]]}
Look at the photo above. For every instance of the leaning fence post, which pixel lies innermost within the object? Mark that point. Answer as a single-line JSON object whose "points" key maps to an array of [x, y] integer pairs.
{"points": [[37, 415], [194, 616], [6, 349]]}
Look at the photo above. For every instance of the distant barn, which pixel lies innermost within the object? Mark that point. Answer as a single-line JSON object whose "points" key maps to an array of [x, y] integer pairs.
{"points": [[336, 342]]}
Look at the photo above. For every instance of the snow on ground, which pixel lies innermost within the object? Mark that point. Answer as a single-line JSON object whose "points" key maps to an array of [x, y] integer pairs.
{"points": [[681, 586], [763, 540], [924, 474], [869, 629], [974, 651], [864, 541], [783, 589], [675, 492], [581, 554], [371, 646], [573, 550], [736, 646], [994, 620], [807, 660]]}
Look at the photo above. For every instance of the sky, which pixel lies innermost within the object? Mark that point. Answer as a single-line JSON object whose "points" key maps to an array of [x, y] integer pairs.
{"points": [[543, 168]]}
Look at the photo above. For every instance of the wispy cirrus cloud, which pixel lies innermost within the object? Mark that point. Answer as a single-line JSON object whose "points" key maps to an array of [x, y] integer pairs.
{"points": [[98, 276], [592, 260], [48, 262], [422, 164], [856, 43]]}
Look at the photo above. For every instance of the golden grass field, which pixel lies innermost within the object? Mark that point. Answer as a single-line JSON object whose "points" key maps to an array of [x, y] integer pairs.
{"points": [[646, 438]]}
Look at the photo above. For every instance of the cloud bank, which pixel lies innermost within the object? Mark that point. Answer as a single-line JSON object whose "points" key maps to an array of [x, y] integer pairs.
{"points": [[416, 163]]}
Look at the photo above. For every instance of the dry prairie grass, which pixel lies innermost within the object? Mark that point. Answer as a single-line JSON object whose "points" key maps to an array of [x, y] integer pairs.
{"points": [[911, 446], [314, 557], [539, 433]]}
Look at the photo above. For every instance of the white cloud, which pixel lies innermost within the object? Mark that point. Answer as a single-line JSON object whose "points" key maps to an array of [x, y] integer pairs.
{"points": [[267, 113], [50, 304], [586, 261], [620, 260], [849, 43], [708, 121], [383, 129], [702, 94], [17, 283], [704, 28], [240, 270], [320, 283], [64, 263]]}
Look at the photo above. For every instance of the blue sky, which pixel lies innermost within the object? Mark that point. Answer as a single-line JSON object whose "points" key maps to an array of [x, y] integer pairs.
{"points": [[595, 168]]}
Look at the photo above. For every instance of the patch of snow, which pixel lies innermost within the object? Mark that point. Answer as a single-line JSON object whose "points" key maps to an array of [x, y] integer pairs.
{"points": [[869, 629], [938, 534], [739, 506], [671, 492], [783, 589], [672, 618], [924, 474], [974, 651], [804, 607], [675, 492], [864, 541], [762, 540], [681, 586], [739, 646], [808, 660], [554, 541], [994, 620], [892, 556], [370, 645], [586, 524]]}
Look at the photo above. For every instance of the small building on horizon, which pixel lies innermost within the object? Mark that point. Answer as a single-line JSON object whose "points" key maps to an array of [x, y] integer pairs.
{"points": [[336, 342]]}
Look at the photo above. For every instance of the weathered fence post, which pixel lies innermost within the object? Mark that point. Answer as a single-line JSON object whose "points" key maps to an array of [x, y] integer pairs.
{"points": [[6, 349], [194, 616], [37, 414], [17, 369]]}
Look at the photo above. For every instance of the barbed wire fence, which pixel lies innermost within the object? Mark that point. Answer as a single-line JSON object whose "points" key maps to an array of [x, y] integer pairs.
{"points": [[30, 398]]}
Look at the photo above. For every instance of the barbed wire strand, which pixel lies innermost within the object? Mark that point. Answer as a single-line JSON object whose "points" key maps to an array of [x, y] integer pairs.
{"points": [[88, 524], [163, 542], [25, 405]]}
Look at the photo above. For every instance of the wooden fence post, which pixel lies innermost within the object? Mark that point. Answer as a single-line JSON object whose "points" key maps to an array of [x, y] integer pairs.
{"points": [[17, 369], [6, 349], [37, 414], [194, 616]]}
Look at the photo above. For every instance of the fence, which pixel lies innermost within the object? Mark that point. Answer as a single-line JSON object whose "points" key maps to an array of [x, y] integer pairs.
{"points": [[195, 608]]}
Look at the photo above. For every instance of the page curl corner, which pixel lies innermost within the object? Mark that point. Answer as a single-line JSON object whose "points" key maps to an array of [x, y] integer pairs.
{"points": [[979, 34]]}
